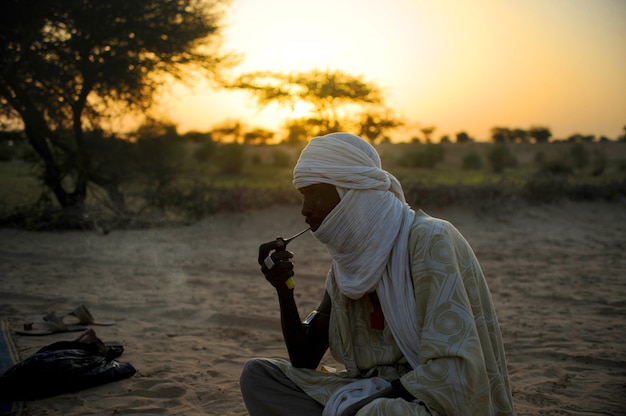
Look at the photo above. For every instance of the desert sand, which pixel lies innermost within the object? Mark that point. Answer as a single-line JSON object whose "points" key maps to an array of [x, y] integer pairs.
{"points": [[192, 306]]}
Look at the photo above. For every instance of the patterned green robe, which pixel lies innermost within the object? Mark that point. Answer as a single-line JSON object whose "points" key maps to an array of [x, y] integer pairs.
{"points": [[462, 367]]}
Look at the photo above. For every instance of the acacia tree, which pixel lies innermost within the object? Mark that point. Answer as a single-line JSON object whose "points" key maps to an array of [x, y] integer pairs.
{"points": [[336, 98], [501, 134], [258, 136], [228, 131], [374, 124], [428, 131], [65, 65], [540, 134], [463, 137]]}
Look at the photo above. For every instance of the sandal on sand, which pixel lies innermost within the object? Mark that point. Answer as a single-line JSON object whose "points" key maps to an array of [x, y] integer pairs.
{"points": [[52, 324], [85, 317], [111, 349]]}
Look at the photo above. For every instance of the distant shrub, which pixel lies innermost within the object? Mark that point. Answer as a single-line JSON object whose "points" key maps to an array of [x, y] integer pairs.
{"points": [[39, 216], [6, 152], [472, 161], [425, 157], [612, 190], [122, 162], [579, 155], [598, 163], [556, 166], [10, 143], [161, 150], [230, 157], [429, 195], [281, 159], [158, 160], [577, 160], [255, 159], [540, 158], [545, 188], [205, 152], [500, 158]]}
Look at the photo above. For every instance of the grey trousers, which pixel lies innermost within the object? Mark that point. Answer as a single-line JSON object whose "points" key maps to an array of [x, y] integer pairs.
{"points": [[267, 391]]}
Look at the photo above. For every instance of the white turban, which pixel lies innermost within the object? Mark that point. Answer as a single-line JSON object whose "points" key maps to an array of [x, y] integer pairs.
{"points": [[367, 232], [346, 161]]}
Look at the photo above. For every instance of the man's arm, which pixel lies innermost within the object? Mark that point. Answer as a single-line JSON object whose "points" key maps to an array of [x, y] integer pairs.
{"points": [[306, 342]]}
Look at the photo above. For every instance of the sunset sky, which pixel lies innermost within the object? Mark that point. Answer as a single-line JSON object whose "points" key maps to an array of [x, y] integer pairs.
{"points": [[459, 65]]}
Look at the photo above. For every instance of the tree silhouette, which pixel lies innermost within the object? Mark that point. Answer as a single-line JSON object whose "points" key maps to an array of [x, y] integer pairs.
{"points": [[335, 97], [540, 134], [228, 131], [519, 136], [428, 131], [501, 135], [297, 131], [507, 135], [67, 65], [463, 137], [581, 138], [374, 124], [258, 136]]}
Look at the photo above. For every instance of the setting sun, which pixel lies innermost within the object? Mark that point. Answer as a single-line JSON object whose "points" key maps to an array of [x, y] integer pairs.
{"points": [[300, 109]]}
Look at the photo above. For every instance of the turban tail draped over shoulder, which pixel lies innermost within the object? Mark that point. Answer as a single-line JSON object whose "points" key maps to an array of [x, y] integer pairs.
{"points": [[367, 232]]}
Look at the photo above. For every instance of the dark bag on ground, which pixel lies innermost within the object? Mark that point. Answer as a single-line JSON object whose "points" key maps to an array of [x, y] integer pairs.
{"points": [[64, 367]]}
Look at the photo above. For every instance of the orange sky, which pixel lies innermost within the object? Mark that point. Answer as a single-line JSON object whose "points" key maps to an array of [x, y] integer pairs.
{"points": [[459, 65]]}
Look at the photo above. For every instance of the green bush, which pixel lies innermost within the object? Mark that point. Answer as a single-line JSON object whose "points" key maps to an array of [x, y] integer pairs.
{"points": [[10, 144], [230, 157], [281, 159], [540, 158], [205, 152], [544, 187], [6, 152], [158, 160], [426, 157], [579, 155], [500, 158], [556, 166], [598, 163], [472, 161]]}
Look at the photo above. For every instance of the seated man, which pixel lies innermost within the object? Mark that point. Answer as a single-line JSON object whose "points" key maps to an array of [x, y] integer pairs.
{"points": [[407, 309]]}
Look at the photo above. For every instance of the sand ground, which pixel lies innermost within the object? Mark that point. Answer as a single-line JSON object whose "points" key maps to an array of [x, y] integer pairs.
{"points": [[191, 305]]}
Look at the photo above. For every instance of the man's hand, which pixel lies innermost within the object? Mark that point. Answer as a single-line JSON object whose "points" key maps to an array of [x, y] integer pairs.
{"points": [[276, 267]]}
